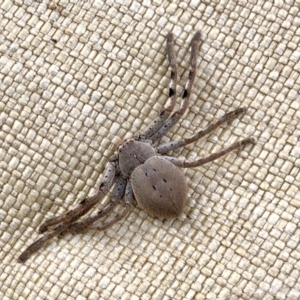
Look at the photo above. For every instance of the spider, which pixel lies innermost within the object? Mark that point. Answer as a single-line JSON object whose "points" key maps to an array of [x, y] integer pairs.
{"points": [[139, 169]]}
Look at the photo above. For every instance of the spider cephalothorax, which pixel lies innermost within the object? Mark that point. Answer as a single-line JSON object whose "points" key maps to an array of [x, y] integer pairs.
{"points": [[140, 170]]}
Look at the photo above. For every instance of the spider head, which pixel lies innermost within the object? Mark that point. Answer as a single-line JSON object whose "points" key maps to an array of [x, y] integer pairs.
{"points": [[133, 153]]}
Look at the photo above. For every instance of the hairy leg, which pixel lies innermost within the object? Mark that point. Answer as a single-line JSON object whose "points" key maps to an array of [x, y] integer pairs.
{"points": [[202, 161], [117, 195], [164, 115], [127, 208], [186, 94], [161, 149], [50, 234], [86, 204], [65, 221]]}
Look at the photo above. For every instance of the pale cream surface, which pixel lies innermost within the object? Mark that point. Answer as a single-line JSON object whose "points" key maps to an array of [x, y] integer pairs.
{"points": [[77, 77]]}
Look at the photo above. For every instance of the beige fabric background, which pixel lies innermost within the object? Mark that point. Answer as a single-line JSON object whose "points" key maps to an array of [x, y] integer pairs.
{"points": [[76, 77]]}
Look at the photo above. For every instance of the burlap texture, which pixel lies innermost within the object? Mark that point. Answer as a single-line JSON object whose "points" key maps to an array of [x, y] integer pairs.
{"points": [[77, 77]]}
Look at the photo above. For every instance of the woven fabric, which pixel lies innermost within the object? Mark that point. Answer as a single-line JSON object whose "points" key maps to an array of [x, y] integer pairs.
{"points": [[77, 77]]}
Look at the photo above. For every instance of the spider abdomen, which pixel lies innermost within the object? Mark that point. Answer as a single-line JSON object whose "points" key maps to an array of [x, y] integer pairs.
{"points": [[159, 188]]}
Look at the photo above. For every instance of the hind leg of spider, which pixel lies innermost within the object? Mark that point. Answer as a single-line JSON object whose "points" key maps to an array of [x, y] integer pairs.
{"points": [[161, 149], [86, 223], [90, 223], [64, 221], [36, 246], [202, 161], [125, 212], [85, 205], [49, 235], [64, 227], [55, 232]]}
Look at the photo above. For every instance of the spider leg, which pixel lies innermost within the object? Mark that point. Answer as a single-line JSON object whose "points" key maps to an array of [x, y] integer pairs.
{"points": [[51, 234], [164, 115], [123, 214], [36, 246], [202, 161], [116, 198], [186, 94], [161, 149], [86, 204], [65, 221]]}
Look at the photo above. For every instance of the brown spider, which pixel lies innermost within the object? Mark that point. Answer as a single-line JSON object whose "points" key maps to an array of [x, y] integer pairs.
{"points": [[139, 170]]}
